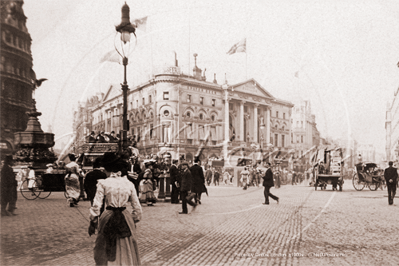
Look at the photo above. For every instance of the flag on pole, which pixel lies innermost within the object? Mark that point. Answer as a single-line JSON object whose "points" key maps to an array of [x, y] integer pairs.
{"points": [[111, 56], [240, 47], [141, 23]]}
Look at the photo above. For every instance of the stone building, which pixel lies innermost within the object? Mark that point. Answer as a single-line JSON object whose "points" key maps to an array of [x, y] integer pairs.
{"points": [[305, 134], [15, 72], [177, 113], [392, 129]]}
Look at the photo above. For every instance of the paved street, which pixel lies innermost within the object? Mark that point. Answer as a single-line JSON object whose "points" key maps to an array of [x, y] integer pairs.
{"points": [[231, 227]]}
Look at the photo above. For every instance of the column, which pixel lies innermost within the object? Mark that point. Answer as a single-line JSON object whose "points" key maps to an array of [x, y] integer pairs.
{"points": [[268, 124], [256, 123], [242, 137], [226, 118]]}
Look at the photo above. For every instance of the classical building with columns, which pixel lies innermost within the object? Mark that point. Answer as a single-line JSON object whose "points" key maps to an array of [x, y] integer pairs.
{"points": [[184, 115]]}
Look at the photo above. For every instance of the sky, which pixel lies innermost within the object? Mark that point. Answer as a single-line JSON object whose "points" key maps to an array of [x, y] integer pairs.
{"points": [[340, 55]]}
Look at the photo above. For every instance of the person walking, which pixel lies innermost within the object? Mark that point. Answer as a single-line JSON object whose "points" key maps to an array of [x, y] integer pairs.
{"points": [[8, 188], [148, 183], [391, 178], [72, 185], [216, 177], [293, 181], [175, 181], [91, 180], [268, 183], [198, 186], [185, 188], [245, 178], [208, 175], [116, 242]]}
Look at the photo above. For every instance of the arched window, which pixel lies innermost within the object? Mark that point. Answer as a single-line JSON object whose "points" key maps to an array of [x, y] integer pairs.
{"points": [[201, 117], [188, 114], [213, 117]]}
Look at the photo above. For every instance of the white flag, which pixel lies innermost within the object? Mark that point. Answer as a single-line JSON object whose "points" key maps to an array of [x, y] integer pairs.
{"points": [[240, 47], [141, 23]]}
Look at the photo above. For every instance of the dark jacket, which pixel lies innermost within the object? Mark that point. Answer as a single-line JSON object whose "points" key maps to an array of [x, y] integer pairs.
{"points": [[90, 182], [174, 174], [198, 185], [391, 173], [8, 182], [268, 178], [186, 180]]}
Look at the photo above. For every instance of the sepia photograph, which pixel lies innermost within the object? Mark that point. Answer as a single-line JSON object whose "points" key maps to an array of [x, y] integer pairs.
{"points": [[214, 132]]}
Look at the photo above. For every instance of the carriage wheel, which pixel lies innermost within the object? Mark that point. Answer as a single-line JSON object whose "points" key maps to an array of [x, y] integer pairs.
{"points": [[373, 186], [356, 183], [29, 194]]}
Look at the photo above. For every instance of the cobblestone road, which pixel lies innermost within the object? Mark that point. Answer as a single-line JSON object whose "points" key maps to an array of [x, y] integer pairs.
{"points": [[231, 227]]}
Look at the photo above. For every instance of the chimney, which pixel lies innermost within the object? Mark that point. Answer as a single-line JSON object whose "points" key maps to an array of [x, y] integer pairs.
{"points": [[196, 70], [214, 78]]}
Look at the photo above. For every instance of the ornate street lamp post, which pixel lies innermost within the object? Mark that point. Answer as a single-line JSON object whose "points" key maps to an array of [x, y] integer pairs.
{"points": [[125, 29]]}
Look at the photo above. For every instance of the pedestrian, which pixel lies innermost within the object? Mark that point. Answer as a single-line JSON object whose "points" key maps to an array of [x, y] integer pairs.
{"points": [[175, 181], [147, 184], [31, 178], [293, 181], [22, 176], [72, 184], [245, 178], [8, 188], [198, 185], [134, 173], [185, 189], [216, 177], [226, 177], [91, 180], [116, 242], [268, 183], [391, 178], [208, 175]]}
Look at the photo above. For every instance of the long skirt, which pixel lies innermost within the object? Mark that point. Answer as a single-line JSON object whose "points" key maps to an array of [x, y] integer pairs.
{"points": [[72, 187], [127, 251], [147, 191]]}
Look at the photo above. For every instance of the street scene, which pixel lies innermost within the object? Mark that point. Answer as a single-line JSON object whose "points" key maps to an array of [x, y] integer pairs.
{"points": [[231, 227], [199, 133]]}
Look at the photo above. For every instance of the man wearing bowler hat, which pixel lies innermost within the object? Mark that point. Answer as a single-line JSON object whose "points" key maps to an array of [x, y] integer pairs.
{"points": [[185, 188], [391, 177], [268, 182]]}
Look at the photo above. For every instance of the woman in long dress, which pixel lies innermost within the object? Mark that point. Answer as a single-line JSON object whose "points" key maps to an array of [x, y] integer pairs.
{"points": [[147, 184], [116, 243], [72, 185]]}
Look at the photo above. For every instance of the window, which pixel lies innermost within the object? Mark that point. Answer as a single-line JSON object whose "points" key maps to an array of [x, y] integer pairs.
{"points": [[201, 117], [276, 140], [282, 140], [297, 123], [131, 105], [277, 114], [165, 95], [188, 114], [213, 102], [166, 113], [301, 124], [213, 117], [283, 115], [188, 98], [301, 139], [150, 99], [292, 138], [151, 127], [202, 100], [143, 101], [297, 139]]}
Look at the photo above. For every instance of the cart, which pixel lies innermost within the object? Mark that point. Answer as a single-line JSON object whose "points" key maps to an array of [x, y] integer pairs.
{"points": [[328, 170], [42, 186]]}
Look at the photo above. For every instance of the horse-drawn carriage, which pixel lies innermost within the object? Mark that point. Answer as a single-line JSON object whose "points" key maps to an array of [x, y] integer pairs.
{"points": [[368, 174]]}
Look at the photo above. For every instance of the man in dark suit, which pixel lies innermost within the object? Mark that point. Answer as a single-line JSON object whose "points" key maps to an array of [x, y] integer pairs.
{"points": [[91, 178], [185, 188], [268, 183], [198, 186], [391, 178], [175, 180]]}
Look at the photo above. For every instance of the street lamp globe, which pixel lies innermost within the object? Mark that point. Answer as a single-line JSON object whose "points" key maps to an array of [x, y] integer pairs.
{"points": [[125, 29]]}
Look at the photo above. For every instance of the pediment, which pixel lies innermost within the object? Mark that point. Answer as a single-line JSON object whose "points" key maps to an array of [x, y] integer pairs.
{"points": [[252, 87], [112, 92]]}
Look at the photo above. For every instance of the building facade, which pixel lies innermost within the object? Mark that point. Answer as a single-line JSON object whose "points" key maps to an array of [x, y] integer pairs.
{"points": [[367, 152], [15, 72], [189, 116], [392, 129], [304, 133]]}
